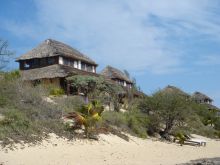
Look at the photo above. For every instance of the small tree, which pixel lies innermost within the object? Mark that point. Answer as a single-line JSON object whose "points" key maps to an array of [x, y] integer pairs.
{"points": [[170, 108], [4, 53], [96, 87]]}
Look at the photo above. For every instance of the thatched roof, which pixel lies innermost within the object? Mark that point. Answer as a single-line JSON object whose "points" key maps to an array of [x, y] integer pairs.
{"points": [[173, 89], [52, 71], [210, 106], [200, 96], [114, 73], [50, 48]]}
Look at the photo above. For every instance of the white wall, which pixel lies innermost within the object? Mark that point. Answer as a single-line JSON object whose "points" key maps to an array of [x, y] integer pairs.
{"points": [[75, 64], [79, 65], [93, 69], [60, 60], [125, 84]]}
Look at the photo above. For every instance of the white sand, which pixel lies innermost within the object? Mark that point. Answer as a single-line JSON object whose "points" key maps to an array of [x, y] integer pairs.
{"points": [[110, 150]]}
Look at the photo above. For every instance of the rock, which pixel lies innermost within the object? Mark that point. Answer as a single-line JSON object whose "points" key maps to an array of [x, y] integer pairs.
{"points": [[211, 161], [157, 135], [123, 110]]}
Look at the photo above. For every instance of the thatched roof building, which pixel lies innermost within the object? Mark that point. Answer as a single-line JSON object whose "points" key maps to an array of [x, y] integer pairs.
{"points": [[116, 75], [52, 61], [201, 98], [173, 89], [51, 48]]}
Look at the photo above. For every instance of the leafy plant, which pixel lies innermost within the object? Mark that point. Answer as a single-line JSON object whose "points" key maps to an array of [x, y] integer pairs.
{"points": [[180, 137], [87, 116], [55, 91]]}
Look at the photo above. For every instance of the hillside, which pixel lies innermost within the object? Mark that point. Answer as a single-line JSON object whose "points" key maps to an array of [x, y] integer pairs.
{"points": [[30, 113]]}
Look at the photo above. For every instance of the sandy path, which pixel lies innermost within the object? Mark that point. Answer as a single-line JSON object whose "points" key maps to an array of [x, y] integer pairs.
{"points": [[109, 150]]}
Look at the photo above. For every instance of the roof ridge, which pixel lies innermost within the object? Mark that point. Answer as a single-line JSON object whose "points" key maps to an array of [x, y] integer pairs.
{"points": [[49, 41], [51, 47]]}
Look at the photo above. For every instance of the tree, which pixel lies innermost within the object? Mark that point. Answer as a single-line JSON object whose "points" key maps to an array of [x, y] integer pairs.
{"points": [[170, 108], [127, 74], [94, 87], [4, 53]]}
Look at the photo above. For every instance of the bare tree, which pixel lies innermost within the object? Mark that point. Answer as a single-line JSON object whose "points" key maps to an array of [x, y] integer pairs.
{"points": [[4, 53], [127, 73]]}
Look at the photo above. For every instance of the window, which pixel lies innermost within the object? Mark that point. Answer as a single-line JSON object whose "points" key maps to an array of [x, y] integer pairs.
{"points": [[36, 82], [89, 68], [26, 65], [83, 66], [66, 61], [35, 63], [71, 63], [51, 61], [43, 62]]}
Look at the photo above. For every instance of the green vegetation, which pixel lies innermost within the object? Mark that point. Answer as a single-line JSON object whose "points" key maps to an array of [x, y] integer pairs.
{"points": [[134, 121], [55, 91], [169, 109], [88, 116], [98, 88], [26, 115]]}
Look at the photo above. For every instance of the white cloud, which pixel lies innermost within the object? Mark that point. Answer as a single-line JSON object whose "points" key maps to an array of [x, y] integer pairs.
{"points": [[123, 33]]}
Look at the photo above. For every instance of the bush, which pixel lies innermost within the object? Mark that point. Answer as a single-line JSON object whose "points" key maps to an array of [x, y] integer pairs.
{"points": [[217, 133], [16, 126], [26, 115], [3, 101], [12, 75], [137, 126], [115, 118], [70, 103], [57, 91], [133, 122], [217, 124]]}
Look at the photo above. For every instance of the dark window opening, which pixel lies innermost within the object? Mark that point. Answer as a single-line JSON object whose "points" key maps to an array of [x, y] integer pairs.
{"points": [[51, 61], [35, 63], [89, 68], [36, 82], [83, 66], [43, 62]]}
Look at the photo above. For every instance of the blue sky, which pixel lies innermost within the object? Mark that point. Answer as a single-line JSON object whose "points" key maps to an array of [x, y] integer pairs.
{"points": [[159, 42]]}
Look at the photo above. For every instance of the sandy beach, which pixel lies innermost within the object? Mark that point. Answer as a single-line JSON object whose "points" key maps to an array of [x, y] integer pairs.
{"points": [[109, 150]]}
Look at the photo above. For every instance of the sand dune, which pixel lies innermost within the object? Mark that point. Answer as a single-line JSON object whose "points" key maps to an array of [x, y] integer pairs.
{"points": [[109, 150]]}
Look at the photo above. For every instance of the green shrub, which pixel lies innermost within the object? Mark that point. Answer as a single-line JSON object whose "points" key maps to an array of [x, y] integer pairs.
{"points": [[217, 124], [12, 75], [196, 126], [114, 118], [133, 121], [180, 136], [15, 125], [217, 133], [3, 101], [70, 103], [57, 91]]}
